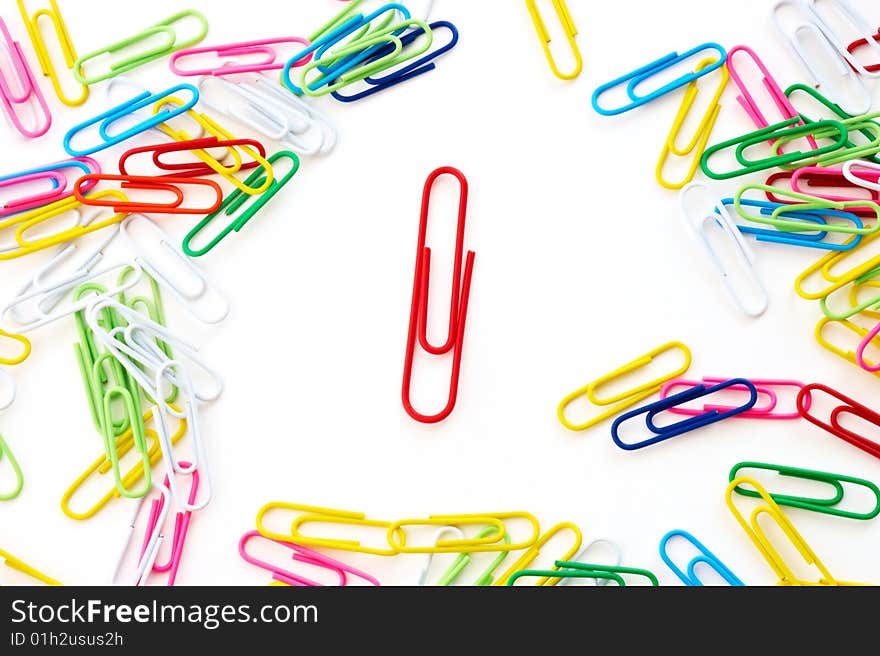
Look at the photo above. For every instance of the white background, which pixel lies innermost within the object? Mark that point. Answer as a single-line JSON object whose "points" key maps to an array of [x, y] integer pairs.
{"points": [[582, 264]]}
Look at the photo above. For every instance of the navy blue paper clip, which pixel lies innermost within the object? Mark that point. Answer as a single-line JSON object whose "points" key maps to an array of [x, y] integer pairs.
{"points": [[662, 433], [807, 240], [414, 69]]}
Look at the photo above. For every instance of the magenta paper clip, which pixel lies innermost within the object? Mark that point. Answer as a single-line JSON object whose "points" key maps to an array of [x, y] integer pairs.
{"points": [[268, 62], [56, 172], [181, 528], [863, 346], [806, 181], [30, 91], [302, 555], [765, 388], [747, 99]]}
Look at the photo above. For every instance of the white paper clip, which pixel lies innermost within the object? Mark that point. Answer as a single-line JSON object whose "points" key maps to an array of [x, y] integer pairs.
{"points": [[861, 27], [714, 213], [854, 178]]}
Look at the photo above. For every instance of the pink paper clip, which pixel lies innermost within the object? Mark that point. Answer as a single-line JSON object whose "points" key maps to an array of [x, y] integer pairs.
{"points": [[863, 346], [302, 555], [57, 173], [181, 528], [765, 388], [30, 90], [747, 99], [270, 62]]}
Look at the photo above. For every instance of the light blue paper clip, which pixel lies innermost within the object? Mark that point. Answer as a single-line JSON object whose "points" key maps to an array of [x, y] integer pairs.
{"points": [[706, 557], [129, 107], [638, 76]]}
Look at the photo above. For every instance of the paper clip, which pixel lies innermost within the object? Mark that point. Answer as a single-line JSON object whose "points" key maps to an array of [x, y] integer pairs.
{"points": [[6, 452], [833, 425], [316, 515], [52, 172], [535, 550], [832, 281], [867, 341], [131, 402], [847, 354], [152, 541], [32, 22], [697, 145], [565, 574], [812, 25], [128, 109], [719, 216], [747, 100], [102, 466], [464, 559], [397, 533], [14, 563], [27, 91], [423, 65], [301, 555], [187, 283], [785, 131], [808, 240], [848, 14], [705, 557], [274, 113], [25, 349], [663, 433], [237, 199], [626, 399], [261, 48], [853, 177], [759, 538], [764, 388], [181, 529], [461, 290], [206, 164], [807, 204], [826, 506], [860, 44], [815, 177], [570, 30], [570, 566], [168, 45], [641, 75], [581, 556], [171, 185], [848, 150]]}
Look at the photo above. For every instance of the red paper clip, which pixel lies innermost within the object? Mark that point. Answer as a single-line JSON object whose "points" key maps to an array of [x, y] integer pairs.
{"points": [[765, 388], [194, 169], [833, 425], [148, 183], [823, 184], [863, 43], [461, 289]]}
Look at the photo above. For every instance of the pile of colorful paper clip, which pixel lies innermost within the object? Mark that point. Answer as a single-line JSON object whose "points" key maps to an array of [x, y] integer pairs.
{"points": [[146, 384]]}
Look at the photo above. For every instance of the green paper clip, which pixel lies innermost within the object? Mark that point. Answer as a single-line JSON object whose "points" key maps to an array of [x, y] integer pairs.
{"points": [[169, 44], [6, 452], [825, 506], [565, 574], [608, 569], [787, 130]]}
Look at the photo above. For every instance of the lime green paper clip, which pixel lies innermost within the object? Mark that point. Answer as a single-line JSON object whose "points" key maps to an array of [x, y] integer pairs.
{"points": [[6, 452], [463, 560], [168, 43], [805, 203], [787, 130], [237, 199], [827, 506]]}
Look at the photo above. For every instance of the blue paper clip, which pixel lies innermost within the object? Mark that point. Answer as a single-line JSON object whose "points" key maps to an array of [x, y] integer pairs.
{"points": [[638, 76], [423, 65], [808, 240], [663, 433], [706, 557], [347, 63], [129, 107]]}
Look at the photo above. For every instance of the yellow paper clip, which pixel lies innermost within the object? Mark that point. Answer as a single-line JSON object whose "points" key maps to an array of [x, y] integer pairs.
{"points": [[847, 354], [102, 466], [757, 535], [208, 126], [625, 399], [570, 33], [825, 267], [26, 349], [316, 515], [698, 143], [16, 564], [532, 554], [32, 23], [489, 543], [29, 220]]}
